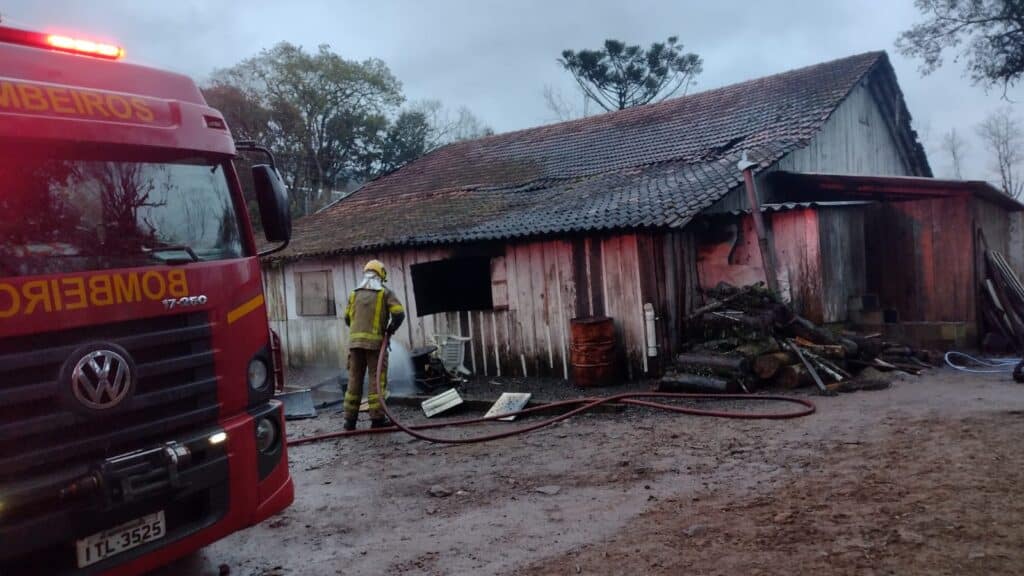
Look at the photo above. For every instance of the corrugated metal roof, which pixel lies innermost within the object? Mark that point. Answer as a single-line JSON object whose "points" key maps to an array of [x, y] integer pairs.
{"points": [[787, 206], [889, 187]]}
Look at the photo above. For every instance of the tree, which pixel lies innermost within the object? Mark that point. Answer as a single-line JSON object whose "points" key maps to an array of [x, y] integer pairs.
{"points": [[447, 127], [1004, 137], [987, 34], [408, 138], [560, 107], [332, 123], [956, 147], [323, 115], [619, 76], [422, 127]]}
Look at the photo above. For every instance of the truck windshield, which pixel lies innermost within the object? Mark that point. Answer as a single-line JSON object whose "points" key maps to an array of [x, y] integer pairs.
{"points": [[67, 214]]}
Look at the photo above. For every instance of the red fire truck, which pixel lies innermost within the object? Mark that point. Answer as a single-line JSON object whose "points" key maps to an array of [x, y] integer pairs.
{"points": [[137, 420]]}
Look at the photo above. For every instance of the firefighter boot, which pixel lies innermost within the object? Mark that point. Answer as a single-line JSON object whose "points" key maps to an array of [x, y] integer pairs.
{"points": [[350, 424], [380, 423]]}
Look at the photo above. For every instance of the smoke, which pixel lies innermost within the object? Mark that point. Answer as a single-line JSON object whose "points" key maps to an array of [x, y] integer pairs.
{"points": [[401, 374]]}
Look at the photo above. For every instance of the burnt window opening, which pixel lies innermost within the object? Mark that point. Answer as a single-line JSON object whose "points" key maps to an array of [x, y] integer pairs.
{"points": [[315, 293], [454, 285]]}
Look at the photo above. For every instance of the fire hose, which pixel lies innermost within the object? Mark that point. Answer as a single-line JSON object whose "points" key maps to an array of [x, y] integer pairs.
{"points": [[576, 405]]}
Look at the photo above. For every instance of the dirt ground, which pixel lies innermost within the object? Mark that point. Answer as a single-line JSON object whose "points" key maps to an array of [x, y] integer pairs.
{"points": [[922, 478]]}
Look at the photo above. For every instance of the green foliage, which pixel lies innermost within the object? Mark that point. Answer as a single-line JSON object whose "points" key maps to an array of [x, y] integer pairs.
{"points": [[323, 115], [620, 76], [987, 34], [332, 123], [406, 140]]}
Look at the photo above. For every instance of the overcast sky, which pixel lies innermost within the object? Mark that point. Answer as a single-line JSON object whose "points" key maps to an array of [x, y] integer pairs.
{"points": [[495, 57]]}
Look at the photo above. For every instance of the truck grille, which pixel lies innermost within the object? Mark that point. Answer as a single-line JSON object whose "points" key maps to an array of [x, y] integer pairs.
{"points": [[176, 389]]}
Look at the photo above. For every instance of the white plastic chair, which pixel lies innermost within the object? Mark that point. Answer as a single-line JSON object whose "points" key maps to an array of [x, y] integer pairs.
{"points": [[451, 349]]}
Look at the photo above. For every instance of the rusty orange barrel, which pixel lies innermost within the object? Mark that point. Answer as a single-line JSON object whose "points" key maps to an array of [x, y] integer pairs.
{"points": [[593, 351]]}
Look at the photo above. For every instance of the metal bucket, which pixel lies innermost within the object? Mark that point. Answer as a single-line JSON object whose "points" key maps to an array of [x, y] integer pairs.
{"points": [[593, 351]]}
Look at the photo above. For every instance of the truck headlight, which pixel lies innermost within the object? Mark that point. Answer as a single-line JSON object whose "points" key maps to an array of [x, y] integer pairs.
{"points": [[266, 435], [258, 374]]}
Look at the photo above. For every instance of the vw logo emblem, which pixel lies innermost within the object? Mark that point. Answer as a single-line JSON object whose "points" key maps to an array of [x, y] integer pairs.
{"points": [[102, 379]]}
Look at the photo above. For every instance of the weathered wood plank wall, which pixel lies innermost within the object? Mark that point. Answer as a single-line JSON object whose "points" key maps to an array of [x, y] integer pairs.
{"points": [[843, 265], [669, 281], [798, 260], [548, 282], [856, 139], [920, 259]]}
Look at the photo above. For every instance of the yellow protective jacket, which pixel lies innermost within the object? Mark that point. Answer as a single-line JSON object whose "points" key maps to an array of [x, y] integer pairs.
{"points": [[369, 314]]}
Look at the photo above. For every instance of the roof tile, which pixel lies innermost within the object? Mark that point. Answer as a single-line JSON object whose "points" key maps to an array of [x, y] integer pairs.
{"points": [[650, 166]]}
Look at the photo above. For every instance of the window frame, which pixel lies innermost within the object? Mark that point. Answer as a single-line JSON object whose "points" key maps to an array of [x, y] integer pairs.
{"points": [[329, 300]]}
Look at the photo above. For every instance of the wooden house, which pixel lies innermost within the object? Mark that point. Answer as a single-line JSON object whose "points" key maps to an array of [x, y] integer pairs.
{"points": [[507, 238]]}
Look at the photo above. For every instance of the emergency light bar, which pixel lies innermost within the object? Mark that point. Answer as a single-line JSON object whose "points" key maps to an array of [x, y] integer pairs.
{"points": [[61, 43], [85, 47]]}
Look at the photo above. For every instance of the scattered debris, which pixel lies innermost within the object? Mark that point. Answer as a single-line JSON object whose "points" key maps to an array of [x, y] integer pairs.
{"points": [[910, 536], [746, 338], [507, 403], [549, 490], [782, 517], [438, 491], [442, 402], [695, 530], [279, 522], [298, 405], [869, 379]]}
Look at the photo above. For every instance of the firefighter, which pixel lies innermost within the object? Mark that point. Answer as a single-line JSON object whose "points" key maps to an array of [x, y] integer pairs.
{"points": [[373, 310]]}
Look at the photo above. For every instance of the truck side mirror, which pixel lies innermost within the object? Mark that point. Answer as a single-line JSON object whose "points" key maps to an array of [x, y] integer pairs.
{"points": [[272, 197]]}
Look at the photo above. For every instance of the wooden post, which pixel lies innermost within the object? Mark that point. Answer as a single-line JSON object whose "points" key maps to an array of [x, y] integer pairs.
{"points": [[767, 258]]}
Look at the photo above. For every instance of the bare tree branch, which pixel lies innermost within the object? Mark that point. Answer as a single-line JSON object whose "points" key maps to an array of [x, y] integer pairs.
{"points": [[956, 148], [1004, 138]]}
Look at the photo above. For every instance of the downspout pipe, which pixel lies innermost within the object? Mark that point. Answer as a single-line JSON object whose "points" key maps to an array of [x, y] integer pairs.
{"points": [[767, 257], [651, 330]]}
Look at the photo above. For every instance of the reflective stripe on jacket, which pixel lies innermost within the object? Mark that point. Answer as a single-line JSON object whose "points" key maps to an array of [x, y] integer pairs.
{"points": [[368, 314]]}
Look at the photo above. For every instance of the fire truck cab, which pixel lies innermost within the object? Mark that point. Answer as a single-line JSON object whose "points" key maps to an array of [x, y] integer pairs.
{"points": [[137, 419]]}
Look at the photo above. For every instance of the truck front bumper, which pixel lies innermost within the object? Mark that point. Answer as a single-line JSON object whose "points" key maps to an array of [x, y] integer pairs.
{"points": [[208, 484]]}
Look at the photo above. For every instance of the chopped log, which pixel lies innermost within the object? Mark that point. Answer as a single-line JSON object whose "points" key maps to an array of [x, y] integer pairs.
{"points": [[694, 383], [761, 322], [929, 357], [858, 385], [898, 350], [730, 363], [810, 368], [715, 304], [794, 376], [867, 346], [835, 373], [835, 352], [720, 344], [908, 368], [754, 349], [766, 366], [797, 326]]}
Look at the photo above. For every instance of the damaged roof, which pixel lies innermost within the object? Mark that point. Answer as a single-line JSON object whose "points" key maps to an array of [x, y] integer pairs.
{"points": [[653, 166]]}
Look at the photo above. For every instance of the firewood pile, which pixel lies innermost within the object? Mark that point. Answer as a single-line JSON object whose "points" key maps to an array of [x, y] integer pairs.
{"points": [[745, 339]]}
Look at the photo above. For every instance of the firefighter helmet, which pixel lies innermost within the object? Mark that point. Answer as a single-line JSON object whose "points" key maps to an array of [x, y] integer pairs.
{"points": [[378, 267]]}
